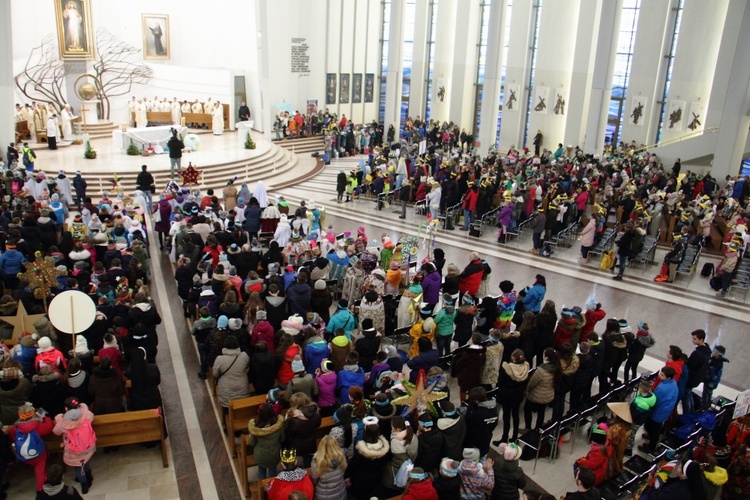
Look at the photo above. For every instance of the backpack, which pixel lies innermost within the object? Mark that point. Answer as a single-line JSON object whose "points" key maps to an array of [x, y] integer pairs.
{"points": [[608, 260], [28, 446], [28, 157], [81, 439], [708, 269]]}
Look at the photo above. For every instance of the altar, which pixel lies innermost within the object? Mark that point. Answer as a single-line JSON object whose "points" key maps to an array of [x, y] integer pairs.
{"points": [[145, 136]]}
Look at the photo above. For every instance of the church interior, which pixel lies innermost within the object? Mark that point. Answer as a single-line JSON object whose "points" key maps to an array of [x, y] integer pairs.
{"points": [[628, 116]]}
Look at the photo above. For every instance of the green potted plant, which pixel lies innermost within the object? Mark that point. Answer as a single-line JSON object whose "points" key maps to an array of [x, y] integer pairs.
{"points": [[249, 143], [90, 152], [133, 149]]}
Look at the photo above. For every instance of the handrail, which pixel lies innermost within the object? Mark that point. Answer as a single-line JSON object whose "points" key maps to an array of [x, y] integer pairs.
{"points": [[677, 139]]}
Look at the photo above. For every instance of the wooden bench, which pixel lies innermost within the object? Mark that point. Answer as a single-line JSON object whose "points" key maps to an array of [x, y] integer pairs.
{"points": [[240, 413], [245, 457], [118, 429]]}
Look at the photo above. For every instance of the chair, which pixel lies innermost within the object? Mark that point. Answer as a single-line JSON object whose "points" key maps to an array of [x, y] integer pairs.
{"points": [[584, 415], [637, 464], [534, 439], [618, 486], [566, 423], [399, 336]]}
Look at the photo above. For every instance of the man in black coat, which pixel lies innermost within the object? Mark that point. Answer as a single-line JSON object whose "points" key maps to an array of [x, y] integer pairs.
{"points": [[175, 146], [244, 112], [697, 365], [404, 195]]}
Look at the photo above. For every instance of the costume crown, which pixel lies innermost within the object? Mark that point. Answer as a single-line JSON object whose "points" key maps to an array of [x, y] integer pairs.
{"points": [[289, 456]]}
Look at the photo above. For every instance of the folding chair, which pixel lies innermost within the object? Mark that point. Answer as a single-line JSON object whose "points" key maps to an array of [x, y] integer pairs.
{"points": [[399, 336], [566, 423], [585, 414], [534, 439], [618, 486]]}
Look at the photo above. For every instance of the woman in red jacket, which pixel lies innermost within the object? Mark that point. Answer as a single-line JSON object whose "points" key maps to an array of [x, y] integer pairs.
{"points": [[28, 433], [419, 486], [597, 458], [470, 205], [471, 277], [594, 314]]}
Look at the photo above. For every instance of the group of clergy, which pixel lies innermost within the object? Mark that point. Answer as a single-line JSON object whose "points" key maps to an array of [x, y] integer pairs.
{"points": [[38, 118], [139, 109]]}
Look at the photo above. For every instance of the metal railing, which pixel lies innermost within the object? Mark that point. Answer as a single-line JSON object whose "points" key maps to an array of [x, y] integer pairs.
{"points": [[685, 137]]}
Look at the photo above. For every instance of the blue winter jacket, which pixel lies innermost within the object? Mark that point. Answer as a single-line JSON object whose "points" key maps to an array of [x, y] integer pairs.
{"points": [[26, 356], [315, 352], [11, 261], [424, 361], [347, 379], [534, 298], [342, 318], [666, 398]]}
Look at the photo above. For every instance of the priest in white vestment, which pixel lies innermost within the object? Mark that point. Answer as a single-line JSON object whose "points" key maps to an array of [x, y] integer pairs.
{"points": [[141, 118], [175, 107], [217, 123], [67, 127]]}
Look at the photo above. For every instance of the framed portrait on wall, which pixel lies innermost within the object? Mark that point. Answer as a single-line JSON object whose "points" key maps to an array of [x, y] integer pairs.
{"points": [[369, 87], [357, 87], [331, 88], [696, 116], [637, 113], [512, 97], [344, 89], [156, 36], [675, 114], [539, 103], [74, 33], [560, 100]]}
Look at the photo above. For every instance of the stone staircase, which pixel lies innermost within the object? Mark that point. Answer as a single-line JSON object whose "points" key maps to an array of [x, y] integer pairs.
{"points": [[100, 130], [269, 165], [305, 145]]}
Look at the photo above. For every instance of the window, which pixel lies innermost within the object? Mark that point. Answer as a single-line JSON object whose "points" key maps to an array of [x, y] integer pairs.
{"points": [[670, 66], [384, 56], [623, 60], [503, 70], [532, 70], [430, 57], [482, 62]]}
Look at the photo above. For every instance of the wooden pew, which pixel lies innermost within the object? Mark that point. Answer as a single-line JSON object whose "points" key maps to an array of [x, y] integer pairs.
{"points": [[245, 457], [118, 429], [240, 413], [198, 119]]}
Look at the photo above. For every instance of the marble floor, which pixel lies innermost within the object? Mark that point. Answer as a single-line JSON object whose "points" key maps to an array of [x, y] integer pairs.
{"points": [[200, 466]]}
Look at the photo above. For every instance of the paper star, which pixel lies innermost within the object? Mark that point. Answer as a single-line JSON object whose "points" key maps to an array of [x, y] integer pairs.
{"points": [[419, 397], [41, 276], [22, 322], [190, 175]]}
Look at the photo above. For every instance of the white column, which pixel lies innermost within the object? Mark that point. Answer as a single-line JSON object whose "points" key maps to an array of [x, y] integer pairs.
{"points": [[732, 81], [517, 73], [492, 76], [695, 57], [7, 83], [648, 68], [579, 91], [465, 58], [443, 68], [601, 87], [419, 67], [394, 75]]}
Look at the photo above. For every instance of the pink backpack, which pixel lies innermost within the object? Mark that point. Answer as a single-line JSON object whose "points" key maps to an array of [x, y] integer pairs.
{"points": [[81, 439]]}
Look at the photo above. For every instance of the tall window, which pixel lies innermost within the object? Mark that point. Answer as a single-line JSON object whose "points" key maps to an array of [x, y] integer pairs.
{"points": [[384, 56], [408, 56], [503, 70], [623, 61], [430, 57], [479, 86], [532, 70], [670, 66]]}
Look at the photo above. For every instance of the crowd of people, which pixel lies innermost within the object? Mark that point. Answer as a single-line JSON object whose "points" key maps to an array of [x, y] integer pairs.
{"points": [[273, 318]]}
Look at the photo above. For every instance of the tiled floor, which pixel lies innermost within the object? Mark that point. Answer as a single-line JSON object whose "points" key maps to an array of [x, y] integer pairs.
{"points": [[199, 463]]}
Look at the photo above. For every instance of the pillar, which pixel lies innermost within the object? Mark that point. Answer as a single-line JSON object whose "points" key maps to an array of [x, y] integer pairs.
{"points": [[419, 66], [732, 83], [7, 82], [492, 76], [465, 58], [601, 85], [394, 74], [444, 59]]}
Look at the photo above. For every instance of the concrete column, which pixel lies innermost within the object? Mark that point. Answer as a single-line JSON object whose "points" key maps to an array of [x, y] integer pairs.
{"points": [[652, 43], [419, 67], [465, 56], [492, 76], [579, 91], [519, 62], [394, 75], [601, 86], [732, 81], [7, 83], [442, 75]]}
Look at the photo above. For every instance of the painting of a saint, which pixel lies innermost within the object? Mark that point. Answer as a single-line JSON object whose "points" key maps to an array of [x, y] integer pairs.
{"points": [[344, 89], [156, 36], [74, 29], [357, 87], [331, 88], [369, 87]]}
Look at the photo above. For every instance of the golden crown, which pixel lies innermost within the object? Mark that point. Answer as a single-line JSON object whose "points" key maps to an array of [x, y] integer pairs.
{"points": [[288, 456]]}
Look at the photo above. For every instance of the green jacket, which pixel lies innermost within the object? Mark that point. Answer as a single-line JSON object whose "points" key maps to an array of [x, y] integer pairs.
{"points": [[266, 442], [444, 321]]}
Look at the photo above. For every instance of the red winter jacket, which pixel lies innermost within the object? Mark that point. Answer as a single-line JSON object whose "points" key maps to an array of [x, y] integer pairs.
{"points": [[564, 332], [597, 461], [422, 490], [263, 331], [470, 200], [288, 482], [471, 277], [592, 318]]}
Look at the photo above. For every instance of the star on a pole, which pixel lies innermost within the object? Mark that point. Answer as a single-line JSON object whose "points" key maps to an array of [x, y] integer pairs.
{"points": [[419, 397], [190, 175], [22, 321], [41, 276]]}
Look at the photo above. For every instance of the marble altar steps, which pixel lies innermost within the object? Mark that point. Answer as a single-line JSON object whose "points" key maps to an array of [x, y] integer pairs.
{"points": [[100, 130], [274, 163], [307, 145]]}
